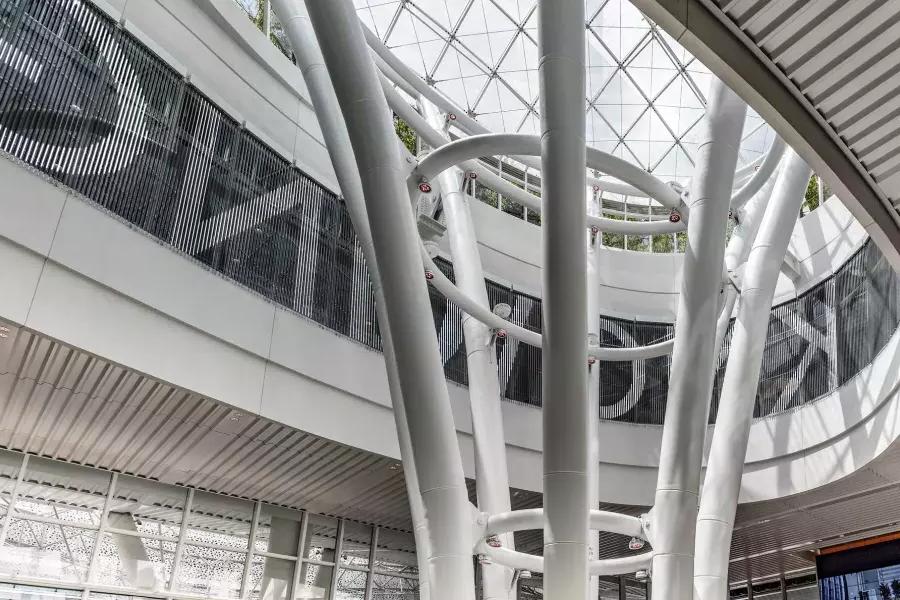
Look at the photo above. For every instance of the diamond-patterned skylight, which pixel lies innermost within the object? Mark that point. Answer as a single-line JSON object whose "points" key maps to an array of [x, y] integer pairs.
{"points": [[645, 93]]}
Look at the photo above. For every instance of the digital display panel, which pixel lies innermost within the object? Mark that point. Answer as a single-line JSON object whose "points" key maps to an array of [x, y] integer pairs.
{"points": [[866, 570]]}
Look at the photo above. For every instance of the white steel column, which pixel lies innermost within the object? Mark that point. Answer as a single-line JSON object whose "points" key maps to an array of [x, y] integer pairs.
{"points": [[742, 237], [722, 485], [561, 43], [491, 474], [395, 239], [593, 320], [295, 21], [690, 382]]}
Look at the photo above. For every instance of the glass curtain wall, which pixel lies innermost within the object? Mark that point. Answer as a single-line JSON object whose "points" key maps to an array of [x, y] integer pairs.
{"points": [[74, 531]]}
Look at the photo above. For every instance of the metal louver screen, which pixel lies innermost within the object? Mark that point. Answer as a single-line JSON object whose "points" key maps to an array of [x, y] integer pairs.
{"points": [[85, 103]]}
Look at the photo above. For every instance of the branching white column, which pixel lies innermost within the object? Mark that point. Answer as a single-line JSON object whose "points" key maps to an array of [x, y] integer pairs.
{"points": [[722, 485], [690, 382], [293, 17], [491, 474], [561, 43], [424, 389]]}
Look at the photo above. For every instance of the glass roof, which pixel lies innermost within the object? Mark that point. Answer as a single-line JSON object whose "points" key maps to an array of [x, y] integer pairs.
{"points": [[646, 94]]}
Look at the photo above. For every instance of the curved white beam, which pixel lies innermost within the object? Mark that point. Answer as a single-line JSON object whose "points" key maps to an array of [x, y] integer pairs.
{"points": [[493, 181], [494, 144], [406, 78], [761, 176], [532, 338], [535, 564], [533, 518]]}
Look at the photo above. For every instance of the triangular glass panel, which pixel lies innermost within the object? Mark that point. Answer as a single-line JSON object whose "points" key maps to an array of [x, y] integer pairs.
{"points": [[454, 89], [509, 99], [610, 38], [531, 125], [478, 47], [630, 115], [473, 23], [449, 67], [610, 15], [663, 160], [498, 20], [632, 17], [512, 119], [599, 128], [515, 58], [411, 56], [597, 78], [632, 42], [426, 30], [490, 100], [493, 121], [643, 78], [403, 32], [640, 153], [431, 52], [659, 131], [436, 10], [689, 120], [596, 54], [382, 17], [640, 128], [613, 115]]}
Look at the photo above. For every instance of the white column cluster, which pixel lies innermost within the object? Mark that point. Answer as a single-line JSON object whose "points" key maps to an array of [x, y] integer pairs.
{"points": [[381, 193]]}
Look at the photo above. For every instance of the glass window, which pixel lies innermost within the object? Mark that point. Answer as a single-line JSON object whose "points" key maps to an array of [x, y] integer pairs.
{"points": [[134, 562], [62, 491], [154, 508], [608, 588], [321, 534], [392, 587], [270, 578], [9, 471], [803, 592], [99, 596], [46, 551], [351, 585], [220, 520], [315, 582], [356, 544], [211, 572], [16, 591], [278, 530], [396, 552]]}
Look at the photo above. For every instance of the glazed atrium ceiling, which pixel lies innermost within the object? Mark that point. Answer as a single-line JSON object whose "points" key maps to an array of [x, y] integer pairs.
{"points": [[646, 95]]}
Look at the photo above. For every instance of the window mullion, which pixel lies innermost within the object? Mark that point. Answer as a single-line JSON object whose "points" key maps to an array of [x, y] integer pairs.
{"points": [[248, 559], [370, 576], [179, 546], [92, 568], [12, 501]]}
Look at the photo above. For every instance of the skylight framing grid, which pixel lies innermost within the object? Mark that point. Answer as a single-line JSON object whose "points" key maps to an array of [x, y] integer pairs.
{"points": [[445, 28]]}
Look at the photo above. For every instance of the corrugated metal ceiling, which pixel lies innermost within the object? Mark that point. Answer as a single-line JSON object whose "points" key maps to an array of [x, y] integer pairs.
{"points": [[62, 403]]}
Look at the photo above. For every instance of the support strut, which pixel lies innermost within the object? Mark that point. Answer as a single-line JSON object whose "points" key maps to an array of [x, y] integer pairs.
{"points": [[690, 385], [424, 389], [561, 44]]}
